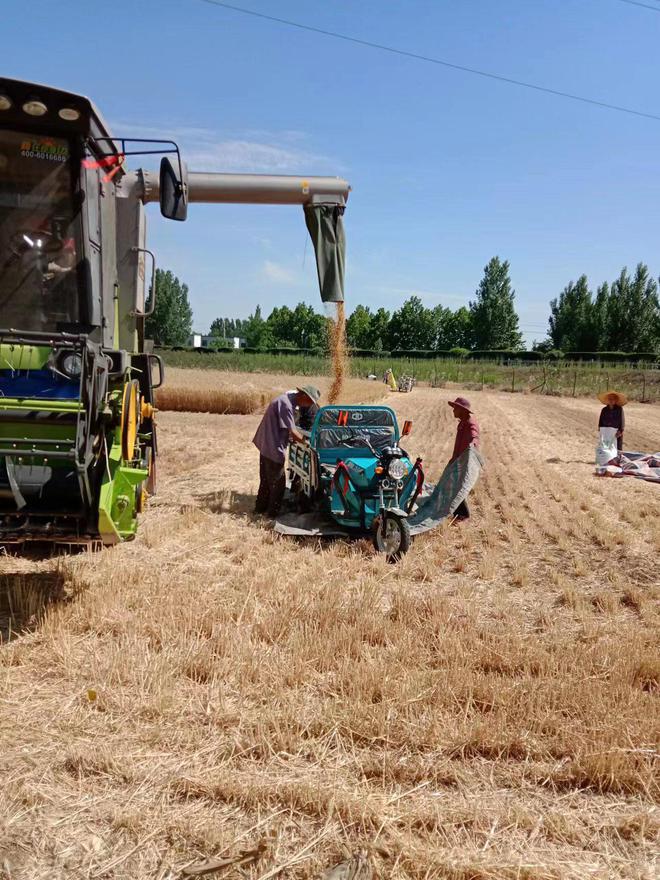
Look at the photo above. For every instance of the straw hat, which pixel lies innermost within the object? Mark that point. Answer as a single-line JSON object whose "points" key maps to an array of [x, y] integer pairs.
{"points": [[621, 399]]}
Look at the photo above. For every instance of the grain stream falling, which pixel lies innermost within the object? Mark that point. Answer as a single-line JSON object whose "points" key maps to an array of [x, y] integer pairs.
{"points": [[337, 332]]}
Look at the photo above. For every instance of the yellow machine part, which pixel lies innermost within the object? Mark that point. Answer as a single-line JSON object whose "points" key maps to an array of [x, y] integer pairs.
{"points": [[130, 419], [144, 489]]}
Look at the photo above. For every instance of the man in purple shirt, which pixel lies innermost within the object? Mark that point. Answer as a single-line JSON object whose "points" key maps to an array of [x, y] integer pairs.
{"points": [[275, 430]]}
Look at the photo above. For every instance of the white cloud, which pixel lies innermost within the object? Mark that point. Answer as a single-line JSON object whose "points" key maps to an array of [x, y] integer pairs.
{"points": [[276, 273], [250, 151]]}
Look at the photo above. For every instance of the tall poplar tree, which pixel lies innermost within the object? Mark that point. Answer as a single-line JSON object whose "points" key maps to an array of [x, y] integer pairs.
{"points": [[571, 317], [171, 321], [493, 314]]}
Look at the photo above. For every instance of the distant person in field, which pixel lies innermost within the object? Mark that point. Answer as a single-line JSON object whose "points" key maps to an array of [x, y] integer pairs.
{"points": [[276, 430], [467, 434], [612, 415]]}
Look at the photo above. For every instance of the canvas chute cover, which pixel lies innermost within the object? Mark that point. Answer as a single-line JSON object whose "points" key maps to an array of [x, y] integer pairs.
{"points": [[326, 228]]}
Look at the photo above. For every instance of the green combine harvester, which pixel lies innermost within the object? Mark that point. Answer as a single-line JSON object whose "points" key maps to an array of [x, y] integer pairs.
{"points": [[78, 441]]}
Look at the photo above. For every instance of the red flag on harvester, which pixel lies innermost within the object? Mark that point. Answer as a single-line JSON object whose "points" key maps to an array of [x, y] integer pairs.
{"points": [[113, 162]]}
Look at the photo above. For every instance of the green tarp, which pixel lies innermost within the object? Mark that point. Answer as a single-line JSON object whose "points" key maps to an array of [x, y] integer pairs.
{"points": [[457, 481], [326, 228]]}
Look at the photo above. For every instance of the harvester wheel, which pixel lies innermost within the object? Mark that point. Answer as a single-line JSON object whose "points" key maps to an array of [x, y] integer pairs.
{"points": [[150, 462], [151, 467], [140, 498], [392, 536], [130, 419]]}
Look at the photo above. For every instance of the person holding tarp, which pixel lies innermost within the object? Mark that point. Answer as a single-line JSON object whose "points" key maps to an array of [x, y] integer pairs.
{"points": [[276, 429], [467, 434], [447, 500], [612, 415]]}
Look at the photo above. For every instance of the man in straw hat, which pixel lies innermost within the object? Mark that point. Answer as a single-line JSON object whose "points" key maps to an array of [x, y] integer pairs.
{"points": [[467, 434], [276, 429], [612, 416]]}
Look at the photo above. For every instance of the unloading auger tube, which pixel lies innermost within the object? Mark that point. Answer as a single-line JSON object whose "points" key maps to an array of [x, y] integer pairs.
{"points": [[323, 200], [77, 376]]}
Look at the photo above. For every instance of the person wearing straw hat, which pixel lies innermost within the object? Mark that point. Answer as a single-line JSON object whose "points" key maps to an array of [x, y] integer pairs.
{"points": [[467, 434], [612, 415], [276, 429]]}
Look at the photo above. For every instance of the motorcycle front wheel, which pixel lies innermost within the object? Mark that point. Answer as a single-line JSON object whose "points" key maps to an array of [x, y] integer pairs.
{"points": [[392, 537]]}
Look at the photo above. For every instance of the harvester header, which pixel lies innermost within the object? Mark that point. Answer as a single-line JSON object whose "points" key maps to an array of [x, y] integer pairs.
{"points": [[77, 379]]}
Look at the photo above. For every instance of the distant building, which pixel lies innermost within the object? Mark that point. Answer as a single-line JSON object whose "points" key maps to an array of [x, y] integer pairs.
{"points": [[200, 340]]}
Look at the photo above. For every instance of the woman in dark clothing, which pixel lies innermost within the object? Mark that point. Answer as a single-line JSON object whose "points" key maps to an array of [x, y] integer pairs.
{"points": [[612, 415]]}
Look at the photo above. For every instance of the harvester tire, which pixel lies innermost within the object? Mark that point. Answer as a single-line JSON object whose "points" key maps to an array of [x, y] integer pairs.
{"points": [[151, 480], [130, 419], [140, 498]]}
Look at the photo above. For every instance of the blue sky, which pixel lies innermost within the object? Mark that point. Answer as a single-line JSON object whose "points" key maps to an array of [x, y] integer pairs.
{"points": [[448, 169]]}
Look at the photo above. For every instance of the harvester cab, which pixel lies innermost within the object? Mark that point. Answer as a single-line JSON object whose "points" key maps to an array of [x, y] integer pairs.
{"points": [[77, 281]]}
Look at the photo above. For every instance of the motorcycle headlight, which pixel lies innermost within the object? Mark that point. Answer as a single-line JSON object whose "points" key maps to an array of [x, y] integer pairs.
{"points": [[397, 469], [71, 365]]}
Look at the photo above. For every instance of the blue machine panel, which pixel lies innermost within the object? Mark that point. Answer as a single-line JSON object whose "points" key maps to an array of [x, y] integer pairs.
{"points": [[37, 384]]}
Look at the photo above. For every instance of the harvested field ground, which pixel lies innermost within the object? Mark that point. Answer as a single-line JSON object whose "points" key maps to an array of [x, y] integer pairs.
{"points": [[488, 708]]}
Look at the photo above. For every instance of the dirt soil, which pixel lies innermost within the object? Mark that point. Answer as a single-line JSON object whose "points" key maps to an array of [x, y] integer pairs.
{"points": [[487, 708]]}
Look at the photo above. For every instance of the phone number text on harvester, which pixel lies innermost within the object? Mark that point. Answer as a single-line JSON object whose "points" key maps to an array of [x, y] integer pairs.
{"points": [[31, 154], [44, 150]]}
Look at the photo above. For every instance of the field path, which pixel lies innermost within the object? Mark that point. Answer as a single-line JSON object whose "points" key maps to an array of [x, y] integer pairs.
{"points": [[485, 709]]}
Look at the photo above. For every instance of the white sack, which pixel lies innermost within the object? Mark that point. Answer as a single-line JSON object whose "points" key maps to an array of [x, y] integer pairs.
{"points": [[607, 448]]}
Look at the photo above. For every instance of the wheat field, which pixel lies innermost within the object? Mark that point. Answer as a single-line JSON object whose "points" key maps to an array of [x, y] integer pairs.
{"points": [[487, 709], [225, 392]]}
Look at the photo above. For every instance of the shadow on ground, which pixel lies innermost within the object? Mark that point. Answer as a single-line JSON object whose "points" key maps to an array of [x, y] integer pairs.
{"points": [[228, 501], [568, 461], [24, 598]]}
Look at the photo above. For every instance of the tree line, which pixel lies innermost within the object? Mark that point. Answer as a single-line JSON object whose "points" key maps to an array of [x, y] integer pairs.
{"points": [[623, 315], [490, 321]]}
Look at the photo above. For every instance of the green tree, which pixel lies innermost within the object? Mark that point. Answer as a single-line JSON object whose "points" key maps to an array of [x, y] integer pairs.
{"points": [[453, 329], [442, 330], [280, 327], [633, 312], [227, 328], [599, 319], [461, 328], [380, 330], [413, 326], [257, 332], [308, 328], [571, 317], [493, 315], [171, 322], [218, 328], [359, 328]]}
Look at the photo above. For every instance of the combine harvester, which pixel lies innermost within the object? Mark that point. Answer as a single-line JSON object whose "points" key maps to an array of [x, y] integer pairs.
{"points": [[77, 430]]}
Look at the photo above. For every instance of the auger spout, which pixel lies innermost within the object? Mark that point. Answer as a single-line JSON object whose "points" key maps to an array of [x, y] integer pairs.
{"points": [[323, 200]]}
